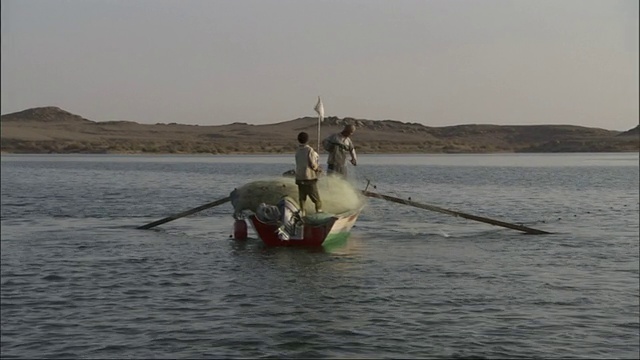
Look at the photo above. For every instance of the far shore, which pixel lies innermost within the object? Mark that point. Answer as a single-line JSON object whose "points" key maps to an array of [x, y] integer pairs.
{"points": [[51, 130]]}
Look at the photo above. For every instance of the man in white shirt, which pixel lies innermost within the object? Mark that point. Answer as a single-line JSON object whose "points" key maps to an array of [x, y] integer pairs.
{"points": [[307, 170]]}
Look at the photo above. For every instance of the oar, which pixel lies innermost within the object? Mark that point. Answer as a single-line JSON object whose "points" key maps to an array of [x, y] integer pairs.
{"points": [[456, 213], [185, 213]]}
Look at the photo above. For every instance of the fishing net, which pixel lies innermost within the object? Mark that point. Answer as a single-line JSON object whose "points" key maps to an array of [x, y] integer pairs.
{"points": [[337, 195]]}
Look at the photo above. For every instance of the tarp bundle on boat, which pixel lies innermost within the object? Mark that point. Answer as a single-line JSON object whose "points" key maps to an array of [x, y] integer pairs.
{"points": [[337, 195]]}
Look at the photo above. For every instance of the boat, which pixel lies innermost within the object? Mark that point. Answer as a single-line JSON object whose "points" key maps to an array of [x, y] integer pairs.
{"points": [[271, 208], [311, 230]]}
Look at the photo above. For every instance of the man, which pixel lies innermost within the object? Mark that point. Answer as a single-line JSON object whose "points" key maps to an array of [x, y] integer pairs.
{"points": [[307, 170], [339, 145]]}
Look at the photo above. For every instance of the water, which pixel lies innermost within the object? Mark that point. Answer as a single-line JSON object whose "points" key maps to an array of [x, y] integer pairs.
{"points": [[79, 281]]}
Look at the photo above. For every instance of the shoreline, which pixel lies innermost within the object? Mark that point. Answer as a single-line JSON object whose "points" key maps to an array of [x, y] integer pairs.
{"points": [[322, 153]]}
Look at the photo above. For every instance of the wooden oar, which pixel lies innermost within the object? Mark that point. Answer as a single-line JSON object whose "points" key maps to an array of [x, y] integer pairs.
{"points": [[185, 213], [455, 213]]}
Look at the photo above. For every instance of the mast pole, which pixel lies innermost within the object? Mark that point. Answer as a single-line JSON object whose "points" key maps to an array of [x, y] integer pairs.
{"points": [[319, 108]]}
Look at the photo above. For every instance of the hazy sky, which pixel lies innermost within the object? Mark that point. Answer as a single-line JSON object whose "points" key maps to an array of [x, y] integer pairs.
{"points": [[435, 62]]}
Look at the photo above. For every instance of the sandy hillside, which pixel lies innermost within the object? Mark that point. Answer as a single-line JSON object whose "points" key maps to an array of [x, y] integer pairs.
{"points": [[53, 130]]}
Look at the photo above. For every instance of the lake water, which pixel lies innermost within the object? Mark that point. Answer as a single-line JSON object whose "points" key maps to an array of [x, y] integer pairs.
{"points": [[79, 281]]}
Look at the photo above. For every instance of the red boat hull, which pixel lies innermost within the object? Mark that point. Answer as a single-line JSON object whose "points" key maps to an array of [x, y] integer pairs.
{"points": [[314, 235]]}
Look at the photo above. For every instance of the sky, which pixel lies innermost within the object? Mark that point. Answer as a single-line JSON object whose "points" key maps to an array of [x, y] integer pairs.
{"points": [[434, 62]]}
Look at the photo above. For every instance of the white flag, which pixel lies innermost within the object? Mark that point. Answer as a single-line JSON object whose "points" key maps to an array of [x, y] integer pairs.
{"points": [[319, 108]]}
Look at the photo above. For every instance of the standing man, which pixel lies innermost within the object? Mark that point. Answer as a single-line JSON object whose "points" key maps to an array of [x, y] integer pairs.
{"points": [[307, 170], [339, 145]]}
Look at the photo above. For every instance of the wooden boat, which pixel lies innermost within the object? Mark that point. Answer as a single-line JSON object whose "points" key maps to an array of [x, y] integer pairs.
{"points": [[270, 209], [285, 224], [310, 230]]}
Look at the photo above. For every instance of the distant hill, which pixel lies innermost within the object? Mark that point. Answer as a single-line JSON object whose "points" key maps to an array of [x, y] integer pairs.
{"points": [[44, 114], [633, 132], [53, 130]]}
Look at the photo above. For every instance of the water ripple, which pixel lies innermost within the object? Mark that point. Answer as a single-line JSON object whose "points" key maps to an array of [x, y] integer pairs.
{"points": [[79, 281]]}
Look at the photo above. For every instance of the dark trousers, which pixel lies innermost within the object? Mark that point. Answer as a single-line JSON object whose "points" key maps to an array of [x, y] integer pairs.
{"points": [[309, 188]]}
